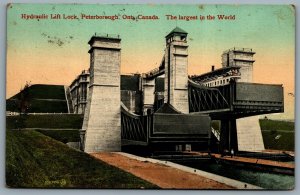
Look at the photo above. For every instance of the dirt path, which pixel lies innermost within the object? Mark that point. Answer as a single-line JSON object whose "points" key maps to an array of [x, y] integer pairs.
{"points": [[161, 175]]}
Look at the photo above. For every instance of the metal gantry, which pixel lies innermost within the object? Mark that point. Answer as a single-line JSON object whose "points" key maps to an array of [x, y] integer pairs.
{"points": [[204, 99]]}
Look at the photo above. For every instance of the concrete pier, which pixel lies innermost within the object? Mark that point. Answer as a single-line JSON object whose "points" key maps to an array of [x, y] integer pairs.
{"points": [[249, 134], [148, 97], [248, 131], [102, 122]]}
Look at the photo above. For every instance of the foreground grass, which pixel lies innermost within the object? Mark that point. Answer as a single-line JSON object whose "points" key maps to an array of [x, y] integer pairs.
{"points": [[34, 160]]}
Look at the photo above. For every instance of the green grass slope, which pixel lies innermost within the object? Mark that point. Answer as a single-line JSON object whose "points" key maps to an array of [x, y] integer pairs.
{"points": [[278, 135], [71, 121], [51, 125], [267, 124], [34, 160], [43, 99], [40, 91]]}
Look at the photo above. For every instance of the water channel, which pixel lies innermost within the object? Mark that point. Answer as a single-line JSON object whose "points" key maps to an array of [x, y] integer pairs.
{"points": [[266, 180]]}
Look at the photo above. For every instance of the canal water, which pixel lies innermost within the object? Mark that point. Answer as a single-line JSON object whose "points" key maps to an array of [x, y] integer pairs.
{"points": [[266, 180]]}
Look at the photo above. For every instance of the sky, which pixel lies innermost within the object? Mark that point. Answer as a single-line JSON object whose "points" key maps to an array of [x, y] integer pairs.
{"points": [[55, 51]]}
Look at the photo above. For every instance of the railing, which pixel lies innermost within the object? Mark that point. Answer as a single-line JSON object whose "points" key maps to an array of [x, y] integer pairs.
{"points": [[133, 126], [105, 35], [239, 49], [85, 72], [153, 73], [156, 71]]}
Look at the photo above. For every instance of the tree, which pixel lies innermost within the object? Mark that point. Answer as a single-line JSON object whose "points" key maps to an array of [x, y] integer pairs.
{"points": [[23, 105], [24, 99]]}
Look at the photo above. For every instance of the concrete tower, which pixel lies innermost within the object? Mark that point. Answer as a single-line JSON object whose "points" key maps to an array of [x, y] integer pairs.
{"points": [[176, 66], [242, 57], [249, 136], [102, 121]]}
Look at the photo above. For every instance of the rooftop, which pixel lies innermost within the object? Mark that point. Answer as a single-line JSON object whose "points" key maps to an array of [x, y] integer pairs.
{"points": [[178, 31], [101, 36]]}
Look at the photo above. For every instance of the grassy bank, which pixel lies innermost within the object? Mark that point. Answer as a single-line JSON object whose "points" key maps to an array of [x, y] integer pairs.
{"points": [[40, 91], [267, 124], [59, 122], [43, 98], [278, 135], [63, 136], [279, 140], [72, 121], [37, 161]]}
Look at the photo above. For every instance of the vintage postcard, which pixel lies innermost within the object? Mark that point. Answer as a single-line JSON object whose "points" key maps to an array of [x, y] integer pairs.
{"points": [[150, 96]]}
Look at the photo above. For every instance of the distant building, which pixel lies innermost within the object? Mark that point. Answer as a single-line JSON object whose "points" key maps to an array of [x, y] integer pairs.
{"points": [[78, 91], [242, 57], [130, 92]]}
